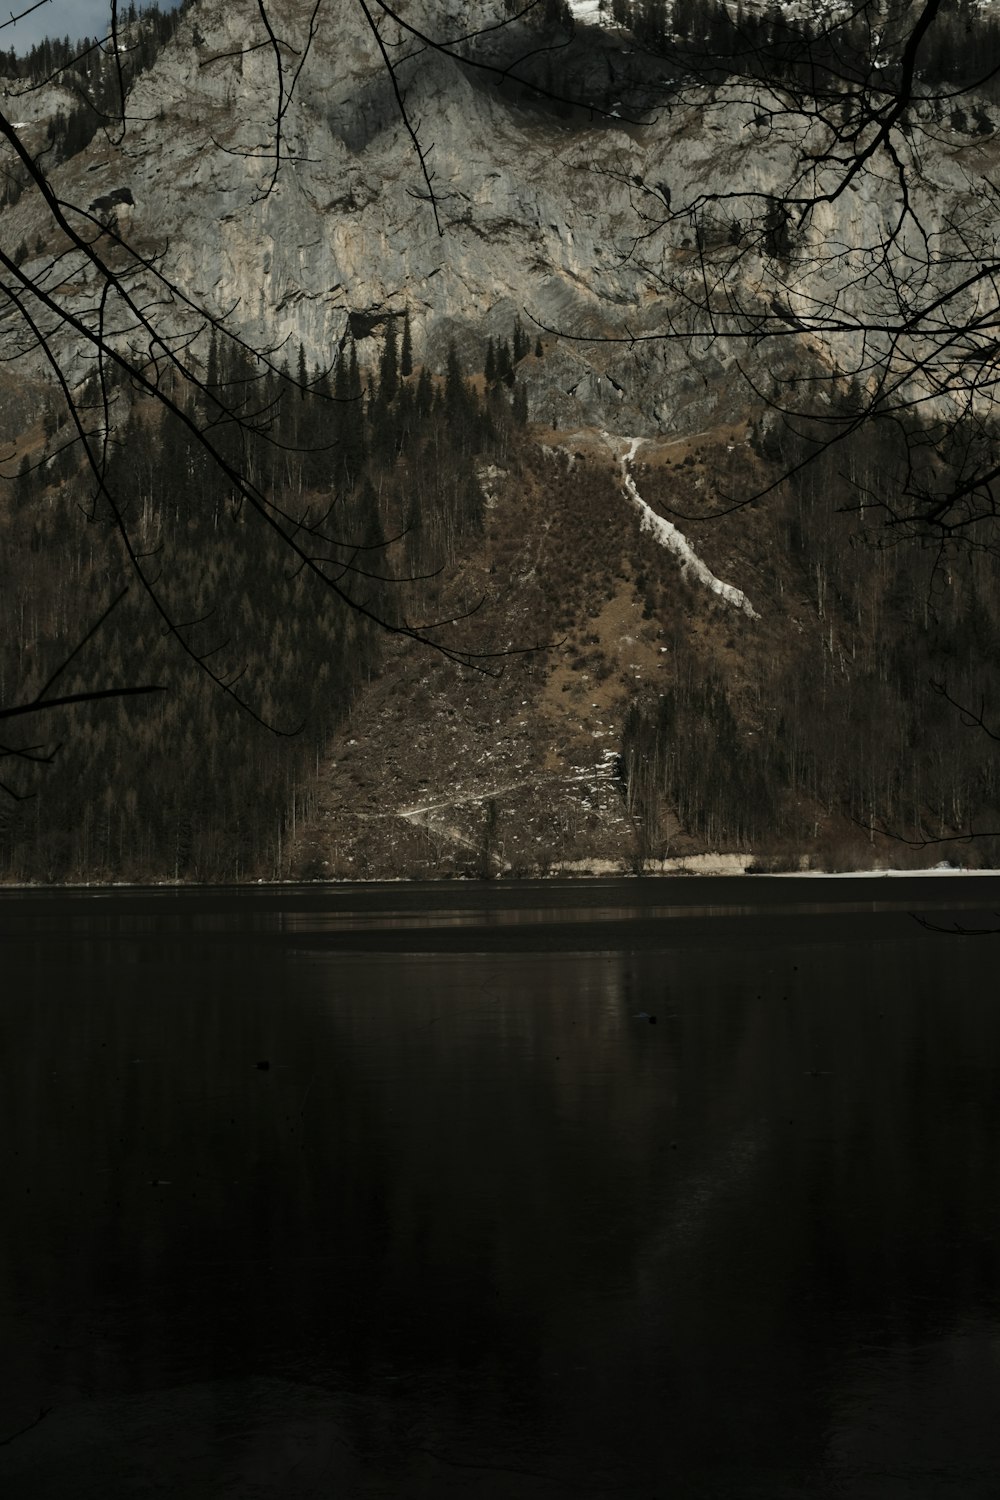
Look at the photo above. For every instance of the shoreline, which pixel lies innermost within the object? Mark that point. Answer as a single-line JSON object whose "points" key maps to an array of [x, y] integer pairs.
{"points": [[702, 867]]}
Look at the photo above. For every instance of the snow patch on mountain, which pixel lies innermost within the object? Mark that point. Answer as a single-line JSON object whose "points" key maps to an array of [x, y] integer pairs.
{"points": [[667, 534], [586, 10]]}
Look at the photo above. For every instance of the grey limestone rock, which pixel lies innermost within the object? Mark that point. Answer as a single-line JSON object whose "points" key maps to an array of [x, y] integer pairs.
{"points": [[299, 233]]}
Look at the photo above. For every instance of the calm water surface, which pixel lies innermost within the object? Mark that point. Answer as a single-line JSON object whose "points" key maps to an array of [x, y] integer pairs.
{"points": [[479, 1227]]}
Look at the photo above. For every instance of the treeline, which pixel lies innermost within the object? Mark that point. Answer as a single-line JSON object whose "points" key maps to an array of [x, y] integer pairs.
{"points": [[775, 44], [849, 722], [375, 473], [91, 71], [964, 52], [142, 31]]}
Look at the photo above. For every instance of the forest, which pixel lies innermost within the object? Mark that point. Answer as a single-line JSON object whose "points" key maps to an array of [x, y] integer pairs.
{"points": [[778, 44], [89, 72], [853, 709], [862, 703], [870, 714], [186, 782]]}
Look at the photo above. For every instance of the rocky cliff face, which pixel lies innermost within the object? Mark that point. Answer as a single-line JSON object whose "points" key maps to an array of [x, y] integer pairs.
{"points": [[291, 203], [556, 214]]}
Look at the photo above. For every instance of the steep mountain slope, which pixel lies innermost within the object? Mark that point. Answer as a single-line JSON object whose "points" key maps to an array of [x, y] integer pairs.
{"points": [[758, 687], [701, 677], [559, 214]]}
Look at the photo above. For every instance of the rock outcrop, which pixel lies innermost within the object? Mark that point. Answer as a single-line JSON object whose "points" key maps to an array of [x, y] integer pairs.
{"points": [[289, 199]]}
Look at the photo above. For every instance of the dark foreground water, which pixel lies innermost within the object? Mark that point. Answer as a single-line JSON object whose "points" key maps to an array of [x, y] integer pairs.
{"points": [[480, 1228]]}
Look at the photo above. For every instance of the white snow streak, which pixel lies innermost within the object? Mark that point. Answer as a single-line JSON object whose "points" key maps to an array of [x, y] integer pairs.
{"points": [[675, 541], [586, 10]]}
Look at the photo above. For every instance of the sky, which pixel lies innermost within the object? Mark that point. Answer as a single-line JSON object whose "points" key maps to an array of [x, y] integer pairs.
{"points": [[72, 18]]}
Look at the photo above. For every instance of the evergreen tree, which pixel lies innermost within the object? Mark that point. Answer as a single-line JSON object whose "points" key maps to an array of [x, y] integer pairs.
{"points": [[405, 405], [352, 440], [425, 394], [459, 405], [353, 374], [339, 417], [212, 367], [388, 371], [686, 14], [406, 353]]}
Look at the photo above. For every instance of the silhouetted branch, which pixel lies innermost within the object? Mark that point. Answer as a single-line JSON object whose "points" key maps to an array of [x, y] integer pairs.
{"points": [[43, 1411]]}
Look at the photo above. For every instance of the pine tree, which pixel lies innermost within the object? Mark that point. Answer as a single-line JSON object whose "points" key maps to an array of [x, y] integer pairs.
{"points": [[212, 370], [406, 354], [341, 412], [404, 417], [685, 17], [353, 374], [315, 435], [459, 404], [352, 440], [425, 394], [388, 370]]}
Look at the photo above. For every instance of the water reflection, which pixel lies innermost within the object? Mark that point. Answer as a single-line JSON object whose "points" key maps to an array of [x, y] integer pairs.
{"points": [[479, 1229]]}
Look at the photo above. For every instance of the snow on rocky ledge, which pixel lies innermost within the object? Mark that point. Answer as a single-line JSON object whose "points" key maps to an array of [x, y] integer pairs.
{"points": [[587, 10], [667, 534]]}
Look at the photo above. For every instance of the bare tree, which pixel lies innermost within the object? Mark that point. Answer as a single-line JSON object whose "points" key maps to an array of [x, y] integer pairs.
{"points": [[139, 328], [849, 261], [837, 319], [838, 244], [902, 307]]}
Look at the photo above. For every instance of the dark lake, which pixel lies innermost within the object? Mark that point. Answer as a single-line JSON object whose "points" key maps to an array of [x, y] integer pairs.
{"points": [[396, 1191]]}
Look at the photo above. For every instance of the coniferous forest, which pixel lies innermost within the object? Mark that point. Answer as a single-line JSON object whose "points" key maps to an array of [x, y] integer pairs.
{"points": [[800, 46], [841, 709], [861, 700], [868, 713], [186, 783], [90, 73]]}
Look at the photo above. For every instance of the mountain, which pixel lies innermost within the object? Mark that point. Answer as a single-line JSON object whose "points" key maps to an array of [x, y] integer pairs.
{"points": [[541, 205], [684, 674]]}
